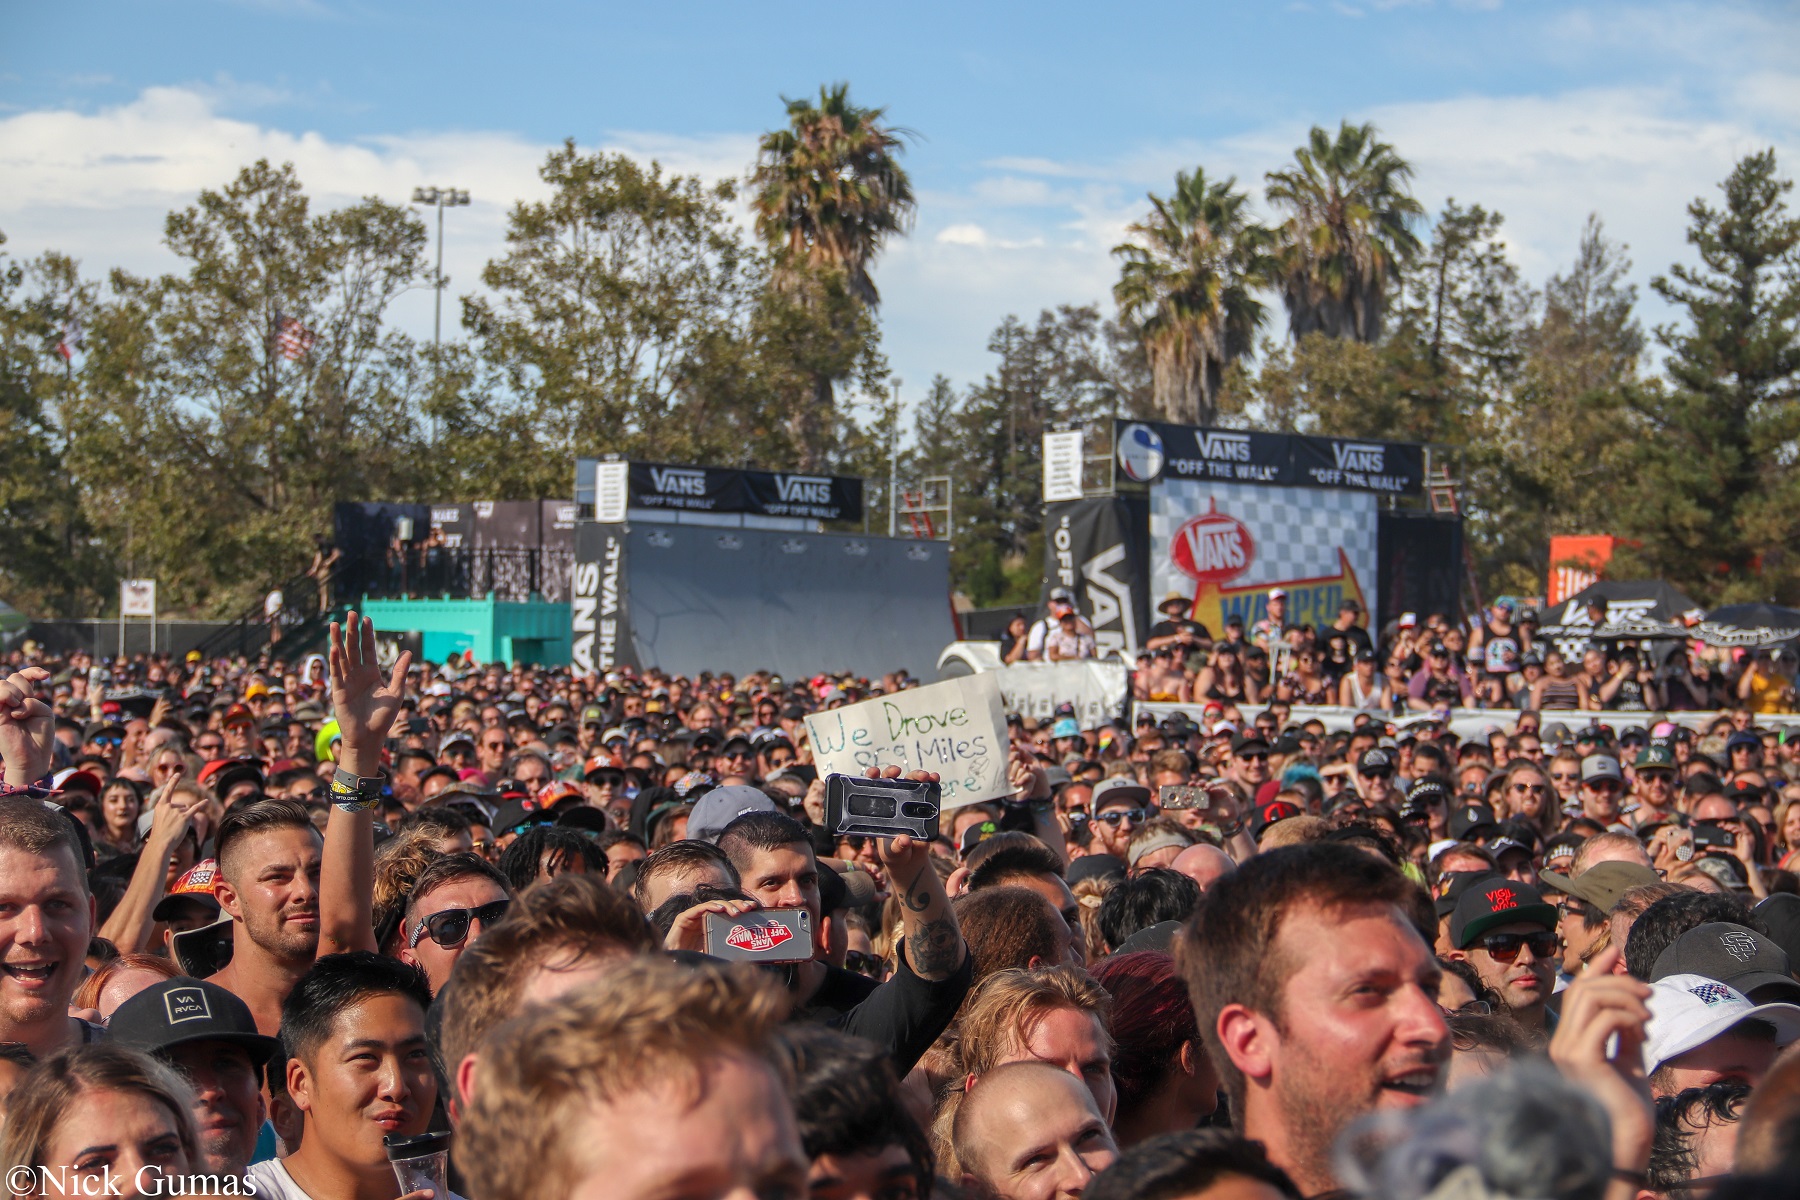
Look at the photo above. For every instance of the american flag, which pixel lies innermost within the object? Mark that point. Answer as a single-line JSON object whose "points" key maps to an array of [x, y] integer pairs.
{"points": [[292, 338]]}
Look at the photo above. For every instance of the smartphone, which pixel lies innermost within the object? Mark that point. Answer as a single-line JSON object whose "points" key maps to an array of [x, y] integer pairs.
{"points": [[1215, 803], [883, 808], [1175, 796], [769, 935]]}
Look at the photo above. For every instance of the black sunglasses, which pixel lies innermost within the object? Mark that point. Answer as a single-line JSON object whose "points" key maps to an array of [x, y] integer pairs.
{"points": [[1114, 816], [863, 963], [1505, 947], [450, 927]]}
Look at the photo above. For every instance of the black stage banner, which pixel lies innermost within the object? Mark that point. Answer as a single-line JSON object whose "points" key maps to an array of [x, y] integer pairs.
{"points": [[1100, 549], [598, 617], [1149, 450], [763, 493]]}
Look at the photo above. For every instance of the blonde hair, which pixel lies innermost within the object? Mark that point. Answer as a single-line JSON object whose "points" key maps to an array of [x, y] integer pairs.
{"points": [[47, 1093], [87, 994], [650, 1024]]}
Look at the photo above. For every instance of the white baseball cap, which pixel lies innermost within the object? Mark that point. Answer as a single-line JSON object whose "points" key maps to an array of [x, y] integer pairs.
{"points": [[1688, 1011]]}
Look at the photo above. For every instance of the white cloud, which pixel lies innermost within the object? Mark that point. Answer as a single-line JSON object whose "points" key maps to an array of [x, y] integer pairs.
{"points": [[1019, 234]]}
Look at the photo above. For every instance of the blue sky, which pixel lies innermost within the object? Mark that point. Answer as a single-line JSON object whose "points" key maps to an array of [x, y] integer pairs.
{"points": [[1041, 125]]}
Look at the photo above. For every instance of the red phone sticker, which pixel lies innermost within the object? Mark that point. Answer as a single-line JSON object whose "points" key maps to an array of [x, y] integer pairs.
{"points": [[761, 937]]}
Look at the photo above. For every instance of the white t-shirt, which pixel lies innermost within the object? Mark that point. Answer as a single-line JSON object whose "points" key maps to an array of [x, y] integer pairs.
{"points": [[273, 1181]]}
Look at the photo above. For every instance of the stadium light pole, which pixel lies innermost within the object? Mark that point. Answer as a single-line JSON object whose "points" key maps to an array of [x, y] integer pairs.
{"points": [[443, 198], [894, 465]]}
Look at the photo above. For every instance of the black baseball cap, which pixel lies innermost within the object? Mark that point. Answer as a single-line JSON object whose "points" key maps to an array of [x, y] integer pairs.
{"points": [[181, 1010], [1496, 902], [1734, 955], [1249, 740], [1265, 815], [1375, 759], [1473, 821], [1421, 795], [1458, 883]]}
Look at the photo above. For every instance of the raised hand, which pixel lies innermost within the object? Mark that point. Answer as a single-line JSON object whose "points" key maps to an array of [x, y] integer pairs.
{"points": [[27, 727], [364, 707], [1599, 1007]]}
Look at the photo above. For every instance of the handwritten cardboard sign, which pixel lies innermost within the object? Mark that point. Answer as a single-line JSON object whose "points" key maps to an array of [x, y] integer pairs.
{"points": [[955, 728]]}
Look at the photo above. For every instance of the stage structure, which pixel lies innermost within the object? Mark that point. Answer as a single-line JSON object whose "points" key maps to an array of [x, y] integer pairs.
{"points": [[1222, 517]]}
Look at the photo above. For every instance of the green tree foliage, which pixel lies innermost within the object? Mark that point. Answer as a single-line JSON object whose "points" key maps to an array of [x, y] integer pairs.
{"points": [[210, 459], [1188, 286], [1347, 232], [827, 192], [1713, 498], [46, 561]]}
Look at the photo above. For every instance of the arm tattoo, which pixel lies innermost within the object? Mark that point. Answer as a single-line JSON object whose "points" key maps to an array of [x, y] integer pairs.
{"points": [[935, 948]]}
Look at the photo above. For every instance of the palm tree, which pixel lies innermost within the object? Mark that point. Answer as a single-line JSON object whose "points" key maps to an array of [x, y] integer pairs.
{"points": [[1347, 234], [829, 189], [1188, 286]]}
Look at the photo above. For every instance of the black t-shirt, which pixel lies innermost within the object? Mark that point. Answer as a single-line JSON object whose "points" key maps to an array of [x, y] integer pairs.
{"points": [[1180, 625], [904, 1016], [1356, 635]]}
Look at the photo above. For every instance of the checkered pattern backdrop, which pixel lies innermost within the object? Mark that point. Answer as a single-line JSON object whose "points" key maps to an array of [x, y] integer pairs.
{"points": [[1297, 531]]}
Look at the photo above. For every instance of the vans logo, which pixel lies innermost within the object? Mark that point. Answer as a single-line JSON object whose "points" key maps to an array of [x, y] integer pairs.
{"points": [[678, 481], [1357, 456], [803, 489], [1227, 447], [758, 937]]}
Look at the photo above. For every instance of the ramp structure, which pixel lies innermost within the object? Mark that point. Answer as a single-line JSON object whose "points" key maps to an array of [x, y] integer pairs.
{"points": [[688, 598]]}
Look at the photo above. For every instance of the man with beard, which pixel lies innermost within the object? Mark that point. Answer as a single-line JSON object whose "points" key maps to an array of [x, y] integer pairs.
{"points": [[269, 855], [208, 1035], [1505, 930], [1317, 999], [1374, 780]]}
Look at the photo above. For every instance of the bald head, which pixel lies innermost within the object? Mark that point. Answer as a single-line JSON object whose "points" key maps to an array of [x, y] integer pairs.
{"points": [[1204, 864], [1608, 847], [1028, 1129]]}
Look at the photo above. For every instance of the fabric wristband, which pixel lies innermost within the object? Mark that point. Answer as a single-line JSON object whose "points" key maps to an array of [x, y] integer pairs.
{"points": [[355, 793]]}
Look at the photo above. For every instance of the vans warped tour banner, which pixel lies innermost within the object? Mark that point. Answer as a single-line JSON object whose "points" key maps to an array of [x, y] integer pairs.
{"points": [[598, 617], [1150, 450], [1235, 514], [761, 493], [1097, 549]]}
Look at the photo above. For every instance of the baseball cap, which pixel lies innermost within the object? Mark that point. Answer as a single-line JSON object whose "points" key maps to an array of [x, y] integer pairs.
{"points": [[976, 834], [1742, 737], [1601, 885], [1601, 766], [1278, 593], [1375, 759], [723, 805], [1265, 815], [1780, 914], [1455, 883], [1065, 727], [1420, 796], [1473, 821], [1408, 620], [1688, 1011], [1655, 755], [181, 1010], [1112, 791], [194, 887], [1062, 595], [1734, 955], [593, 714], [1495, 902]]}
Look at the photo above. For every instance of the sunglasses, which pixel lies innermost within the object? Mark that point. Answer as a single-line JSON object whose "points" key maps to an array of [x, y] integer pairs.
{"points": [[307, 795], [1254, 756], [863, 963], [1384, 773], [108, 740], [1602, 785], [1566, 776], [450, 927], [1117, 815], [1529, 787], [1505, 947]]}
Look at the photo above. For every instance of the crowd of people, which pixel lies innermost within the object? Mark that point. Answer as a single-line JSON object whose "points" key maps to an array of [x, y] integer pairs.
{"points": [[1414, 665], [267, 927]]}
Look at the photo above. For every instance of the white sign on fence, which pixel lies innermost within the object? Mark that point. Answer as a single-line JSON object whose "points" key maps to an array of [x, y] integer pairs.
{"points": [[1062, 466], [137, 597], [954, 728], [612, 489], [1096, 687]]}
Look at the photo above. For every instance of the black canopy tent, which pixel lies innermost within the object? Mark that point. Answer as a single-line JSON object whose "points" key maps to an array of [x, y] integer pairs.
{"points": [[1636, 610], [1753, 625]]}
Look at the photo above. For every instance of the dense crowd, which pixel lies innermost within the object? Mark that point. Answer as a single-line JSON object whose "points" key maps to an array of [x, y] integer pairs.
{"points": [[332, 930], [1414, 665]]}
